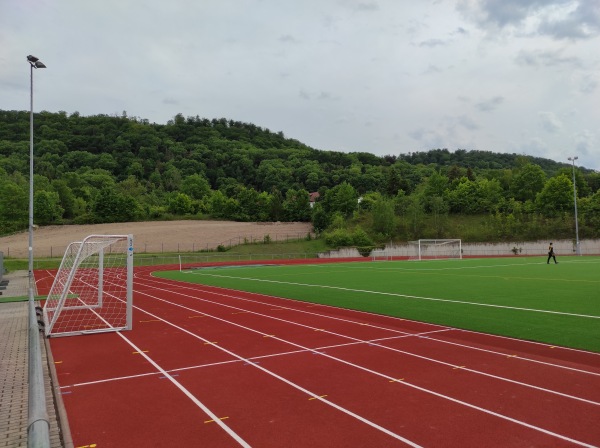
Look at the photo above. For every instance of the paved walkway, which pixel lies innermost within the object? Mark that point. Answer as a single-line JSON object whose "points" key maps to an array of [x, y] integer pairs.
{"points": [[14, 371]]}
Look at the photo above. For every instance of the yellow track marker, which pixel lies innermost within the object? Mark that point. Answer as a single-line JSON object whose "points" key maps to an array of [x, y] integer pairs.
{"points": [[552, 346], [319, 329], [397, 381], [57, 362], [210, 343], [93, 445], [268, 335], [315, 398], [511, 356], [137, 353], [458, 367], [212, 421]]}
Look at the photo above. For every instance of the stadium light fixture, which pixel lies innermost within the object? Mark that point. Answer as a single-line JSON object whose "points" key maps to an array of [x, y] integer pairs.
{"points": [[577, 247], [34, 63]]}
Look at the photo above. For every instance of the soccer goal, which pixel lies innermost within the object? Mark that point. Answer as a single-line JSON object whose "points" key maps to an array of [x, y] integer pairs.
{"points": [[93, 288], [381, 255], [436, 249]]}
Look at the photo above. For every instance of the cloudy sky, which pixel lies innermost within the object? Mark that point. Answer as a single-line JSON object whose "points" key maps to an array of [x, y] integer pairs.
{"points": [[379, 76]]}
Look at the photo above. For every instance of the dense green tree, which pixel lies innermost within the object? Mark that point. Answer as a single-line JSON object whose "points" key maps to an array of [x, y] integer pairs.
{"points": [[384, 218], [181, 204], [528, 182], [222, 207], [14, 200], [66, 198], [46, 208], [296, 206], [320, 218], [276, 212], [342, 198], [472, 197], [195, 186], [556, 196], [110, 205]]}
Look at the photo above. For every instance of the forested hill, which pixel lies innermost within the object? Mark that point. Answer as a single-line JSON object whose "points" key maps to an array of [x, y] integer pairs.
{"points": [[105, 168], [114, 142]]}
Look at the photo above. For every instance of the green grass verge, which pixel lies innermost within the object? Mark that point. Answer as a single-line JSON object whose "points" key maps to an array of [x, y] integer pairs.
{"points": [[19, 299], [273, 250], [517, 297]]}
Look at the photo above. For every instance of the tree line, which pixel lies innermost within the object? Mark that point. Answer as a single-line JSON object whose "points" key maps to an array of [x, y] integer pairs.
{"points": [[105, 168]]}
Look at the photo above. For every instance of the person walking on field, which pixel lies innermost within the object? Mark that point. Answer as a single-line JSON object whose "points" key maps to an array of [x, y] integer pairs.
{"points": [[551, 254]]}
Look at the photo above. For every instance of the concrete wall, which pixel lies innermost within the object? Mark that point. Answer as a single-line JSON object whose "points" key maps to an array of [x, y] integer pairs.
{"points": [[523, 248]]}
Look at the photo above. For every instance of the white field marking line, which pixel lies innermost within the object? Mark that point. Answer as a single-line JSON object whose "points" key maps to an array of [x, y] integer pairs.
{"points": [[389, 329], [268, 372], [429, 270], [404, 296], [212, 364], [588, 372], [188, 394], [142, 375], [318, 397], [454, 268], [415, 355]]}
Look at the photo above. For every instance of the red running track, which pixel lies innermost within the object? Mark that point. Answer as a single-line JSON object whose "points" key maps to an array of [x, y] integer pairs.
{"points": [[210, 367]]}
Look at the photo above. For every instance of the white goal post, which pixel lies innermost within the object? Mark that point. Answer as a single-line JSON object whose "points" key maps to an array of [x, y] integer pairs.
{"points": [[436, 249], [93, 288]]}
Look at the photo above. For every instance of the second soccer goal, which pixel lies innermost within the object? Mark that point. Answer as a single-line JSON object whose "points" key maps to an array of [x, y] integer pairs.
{"points": [[435, 249]]}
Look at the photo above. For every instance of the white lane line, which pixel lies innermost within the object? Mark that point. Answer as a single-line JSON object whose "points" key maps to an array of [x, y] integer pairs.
{"points": [[273, 374], [195, 290], [436, 361], [188, 394], [422, 389], [470, 347]]}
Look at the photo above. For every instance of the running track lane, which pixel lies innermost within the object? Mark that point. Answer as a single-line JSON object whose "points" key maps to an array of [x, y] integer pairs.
{"points": [[318, 376]]}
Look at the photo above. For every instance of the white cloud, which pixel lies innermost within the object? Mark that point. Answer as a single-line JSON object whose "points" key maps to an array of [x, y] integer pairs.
{"points": [[550, 122], [334, 74]]}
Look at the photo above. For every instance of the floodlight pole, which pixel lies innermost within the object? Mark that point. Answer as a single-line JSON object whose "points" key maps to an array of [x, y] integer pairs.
{"points": [[34, 63], [38, 425], [577, 247]]}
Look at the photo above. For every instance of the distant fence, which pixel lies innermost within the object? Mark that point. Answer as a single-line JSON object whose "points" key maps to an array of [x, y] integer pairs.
{"points": [[216, 257], [159, 247]]}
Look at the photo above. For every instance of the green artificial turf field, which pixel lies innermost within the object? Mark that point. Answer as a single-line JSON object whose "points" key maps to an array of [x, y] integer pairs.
{"points": [[519, 297]]}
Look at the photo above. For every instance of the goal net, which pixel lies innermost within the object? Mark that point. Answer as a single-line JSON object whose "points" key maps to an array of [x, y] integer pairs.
{"points": [[93, 288], [381, 254], [436, 249]]}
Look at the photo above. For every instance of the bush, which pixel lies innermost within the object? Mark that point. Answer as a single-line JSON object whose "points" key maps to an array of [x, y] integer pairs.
{"points": [[360, 238], [339, 238]]}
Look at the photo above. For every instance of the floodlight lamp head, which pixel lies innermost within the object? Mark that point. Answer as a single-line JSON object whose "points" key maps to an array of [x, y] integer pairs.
{"points": [[39, 64], [32, 59]]}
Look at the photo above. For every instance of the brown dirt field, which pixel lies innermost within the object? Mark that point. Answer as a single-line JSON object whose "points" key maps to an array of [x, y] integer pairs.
{"points": [[153, 237]]}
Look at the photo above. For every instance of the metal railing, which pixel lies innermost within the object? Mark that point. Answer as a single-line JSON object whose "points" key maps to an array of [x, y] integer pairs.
{"points": [[38, 424]]}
